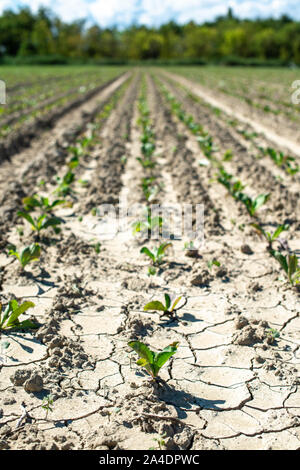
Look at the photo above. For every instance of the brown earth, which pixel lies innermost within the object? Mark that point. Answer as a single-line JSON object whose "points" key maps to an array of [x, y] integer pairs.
{"points": [[228, 386]]}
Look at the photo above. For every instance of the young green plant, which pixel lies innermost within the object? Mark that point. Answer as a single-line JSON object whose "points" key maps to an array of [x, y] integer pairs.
{"points": [[272, 335], [271, 237], [152, 361], [43, 203], [150, 190], [253, 204], [169, 308], [41, 222], [158, 253], [9, 318], [64, 184], [47, 404], [212, 263], [290, 265], [27, 255], [148, 224]]}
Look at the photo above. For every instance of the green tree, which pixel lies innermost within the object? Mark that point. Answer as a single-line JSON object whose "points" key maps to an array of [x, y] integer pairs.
{"points": [[42, 38], [234, 42], [200, 42]]}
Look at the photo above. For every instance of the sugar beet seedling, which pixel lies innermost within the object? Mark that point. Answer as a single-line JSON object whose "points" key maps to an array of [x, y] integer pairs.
{"points": [[47, 404], [148, 224], [290, 265], [252, 204], [42, 222], [150, 190], [270, 237], [283, 161], [32, 202], [147, 139], [204, 140], [9, 319], [235, 188], [27, 255], [272, 335], [169, 308], [64, 184], [151, 361], [158, 253]]}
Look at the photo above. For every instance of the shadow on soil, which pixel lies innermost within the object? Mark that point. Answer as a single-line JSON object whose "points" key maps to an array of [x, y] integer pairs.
{"points": [[184, 401]]}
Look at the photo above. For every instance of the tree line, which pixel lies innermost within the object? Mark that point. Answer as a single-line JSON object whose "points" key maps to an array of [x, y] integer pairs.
{"points": [[25, 35]]}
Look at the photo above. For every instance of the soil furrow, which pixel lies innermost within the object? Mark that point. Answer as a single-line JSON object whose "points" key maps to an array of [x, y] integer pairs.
{"points": [[23, 138], [247, 168], [230, 384], [234, 109]]}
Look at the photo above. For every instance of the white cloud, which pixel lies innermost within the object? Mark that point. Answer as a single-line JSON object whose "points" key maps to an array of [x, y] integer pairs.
{"points": [[113, 11], [68, 10], [5, 4], [266, 8], [156, 12]]}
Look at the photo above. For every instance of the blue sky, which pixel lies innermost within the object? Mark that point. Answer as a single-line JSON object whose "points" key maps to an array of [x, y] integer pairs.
{"points": [[156, 12]]}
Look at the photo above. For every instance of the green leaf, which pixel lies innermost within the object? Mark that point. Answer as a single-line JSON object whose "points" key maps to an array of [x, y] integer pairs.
{"points": [[175, 303], [147, 252], [228, 156], [161, 358], [151, 271], [18, 311], [163, 248], [278, 231], [39, 223], [30, 202], [10, 307], [155, 305], [68, 178], [45, 201], [14, 253], [151, 361], [51, 222], [260, 200], [292, 265], [30, 253], [5, 313], [28, 218], [73, 163], [57, 202], [14, 304], [142, 362], [281, 259], [168, 301], [137, 227], [212, 263], [143, 351], [26, 325]]}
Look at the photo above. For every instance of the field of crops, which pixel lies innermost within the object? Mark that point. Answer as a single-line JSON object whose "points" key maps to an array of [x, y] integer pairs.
{"points": [[111, 337]]}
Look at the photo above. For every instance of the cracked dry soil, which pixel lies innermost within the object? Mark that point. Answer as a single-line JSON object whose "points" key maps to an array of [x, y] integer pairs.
{"points": [[228, 386]]}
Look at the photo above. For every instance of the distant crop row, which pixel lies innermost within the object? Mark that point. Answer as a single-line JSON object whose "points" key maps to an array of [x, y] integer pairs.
{"points": [[260, 88], [288, 261], [34, 101], [39, 212]]}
